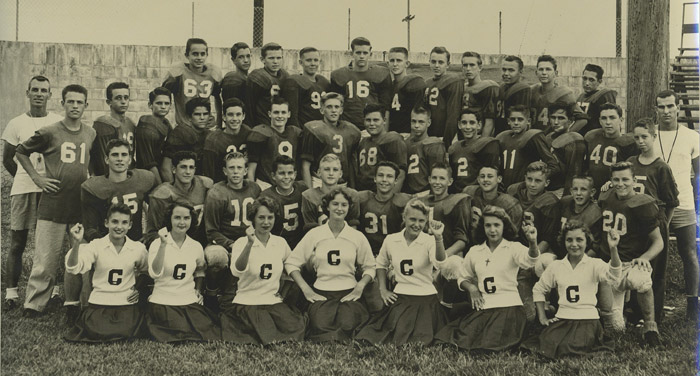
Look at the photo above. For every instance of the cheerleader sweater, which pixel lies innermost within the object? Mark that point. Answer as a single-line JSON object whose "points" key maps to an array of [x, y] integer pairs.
{"points": [[174, 285], [413, 263], [259, 282]]}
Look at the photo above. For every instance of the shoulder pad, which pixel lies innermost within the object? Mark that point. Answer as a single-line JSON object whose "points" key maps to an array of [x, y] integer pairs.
{"points": [[471, 190], [379, 71], [566, 139], [640, 200], [98, 186], [482, 142], [566, 200], [453, 200], [513, 188], [625, 140], [451, 78], [215, 72], [164, 191], [206, 181], [506, 201], [536, 86], [590, 135], [390, 136], [363, 196], [260, 133], [401, 199], [431, 140], [545, 200], [413, 82], [518, 86], [560, 91], [260, 77], [600, 93], [300, 185], [218, 191], [480, 86], [143, 175], [349, 125], [177, 70], [527, 136], [235, 77], [502, 136]]}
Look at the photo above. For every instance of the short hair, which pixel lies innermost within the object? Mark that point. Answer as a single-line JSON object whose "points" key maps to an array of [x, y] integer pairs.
{"points": [[184, 155], [232, 102], [330, 157], [159, 91], [193, 216], [237, 47], [306, 50], [267, 202], [597, 69], [332, 95], [326, 200], [525, 110], [648, 124], [74, 88], [402, 50], [278, 99], [115, 85], [473, 54], [197, 102], [443, 166], [538, 166], [120, 208], [493, 167], [572, 225], [39, 78], [374, 107], [416, 203], [272, 46], [390, 164], [470, 111], [621, 166], [440, 50], [115, 143], [518, 60], [283, 160], [547, 58], [509, 230], [587, 178], [235, 155], [556, 106], [191, 41], [419, 109], [360, 41], [611, 106], [666, 94]]}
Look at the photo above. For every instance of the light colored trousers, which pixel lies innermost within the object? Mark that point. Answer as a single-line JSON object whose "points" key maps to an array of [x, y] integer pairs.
{"points": [[47, 256]]}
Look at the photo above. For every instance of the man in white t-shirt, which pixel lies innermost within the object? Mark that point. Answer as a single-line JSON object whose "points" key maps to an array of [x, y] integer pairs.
{"points": [[24, 195], [679, 146]]}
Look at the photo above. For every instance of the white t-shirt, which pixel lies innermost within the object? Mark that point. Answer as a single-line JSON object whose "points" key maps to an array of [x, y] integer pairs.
{"points": [[17, 131], [679, 157]]}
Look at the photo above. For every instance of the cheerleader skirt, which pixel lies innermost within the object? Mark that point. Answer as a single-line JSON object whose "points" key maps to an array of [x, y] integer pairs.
{"points": [[172, 324], [410, 319], [493, 329], [102, 323], [333, 320], [569, 337], [262, 324]]}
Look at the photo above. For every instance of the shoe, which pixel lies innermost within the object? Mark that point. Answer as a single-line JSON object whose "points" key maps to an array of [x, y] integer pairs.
{"points": [[691, 310], [72, 313], [31, 313], [55, 302], [651, 339], [10, 304]]}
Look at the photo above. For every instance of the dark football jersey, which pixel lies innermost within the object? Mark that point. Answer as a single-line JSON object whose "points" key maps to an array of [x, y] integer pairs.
{"points": [[98, 193], [108, 128], [66, 158], [540, 102], [509, 95], [313, 215], [521, 150], [542, 212], [320, 139], [266, 144], [380, 218], [149, 138], [421, 156], [304, 97], [482, 98], [187, 138], [233, 85], [444, 97], [468, 157], [590, 104], [603, 152], [570, 150], [261, 86], [407, 93], [390, 146], [655, 180], [186, 84], [361, 88], [591, 216], [454, 211], [503, 200], [226, 212], [289, 223], [217, 145], [634, 218]]}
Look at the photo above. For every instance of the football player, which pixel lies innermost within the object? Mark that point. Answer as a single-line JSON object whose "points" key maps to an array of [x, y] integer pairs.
{"points": [[511, 92], [110, 126], [422, 152], [443, 95], [379, 146], [472, 152], [264, 83], [479, 95], [188, 137], [548, 92], [486, 193], [568, 146], [592, 98], [408, 91], [233, 83], [579, 205], [303, 91], [287, 191], [152, 131], [231, 139]]}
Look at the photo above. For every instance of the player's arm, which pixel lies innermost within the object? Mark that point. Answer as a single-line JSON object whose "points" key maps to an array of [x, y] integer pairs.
{"points": [[254, 150], [695, 164], [544, 152], [38, 143], [157, 208], [580, 116], [289, 90], [145, 143], [461, 220], [8, 153], [655, 247], [489, 111], [454, 96], [214, 212], [397, 152], [92, 221], [308, 145], [385, 92], [309, 213], [252, 93], [216, 93]]}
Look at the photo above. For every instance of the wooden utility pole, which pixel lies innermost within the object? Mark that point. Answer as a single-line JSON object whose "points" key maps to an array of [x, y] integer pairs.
{"points": [[647, 56]]}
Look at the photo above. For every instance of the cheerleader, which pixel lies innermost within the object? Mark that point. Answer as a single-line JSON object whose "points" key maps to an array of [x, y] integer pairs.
{"points": [[414, 312], [112, 313], [258, 315], [333, 251], [576, 328], [489, 273], [176, 264]]}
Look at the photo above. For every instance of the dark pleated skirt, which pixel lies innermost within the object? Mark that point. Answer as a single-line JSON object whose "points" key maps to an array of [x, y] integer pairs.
{"points": [[262, 324], [172, 324], [410, 319], [332, 320], [101, 323], [569, 337], [494, 329]]}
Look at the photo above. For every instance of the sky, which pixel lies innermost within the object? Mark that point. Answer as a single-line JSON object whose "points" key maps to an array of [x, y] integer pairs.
{"points": [[529, 27]]}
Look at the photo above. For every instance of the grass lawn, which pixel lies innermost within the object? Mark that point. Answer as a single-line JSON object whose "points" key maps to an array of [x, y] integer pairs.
{"points": [[35, 347]]}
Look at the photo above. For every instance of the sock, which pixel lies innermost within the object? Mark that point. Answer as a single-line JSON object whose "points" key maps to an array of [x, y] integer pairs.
{"points": [[56, 291], [11, 293], [75, 303], [650, 326]]}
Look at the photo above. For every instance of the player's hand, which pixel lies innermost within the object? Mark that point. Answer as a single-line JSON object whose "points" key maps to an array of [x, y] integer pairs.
{"points": [[164, 236], [606, 186], [354, 295], [200, 297], [613, 238], [388, 297], [312, 296], [436, 228], [77, 232], [134, 296], [545, 321], [364, 134], [642, 264], [250, 234], [530, 233], [47, 185]]}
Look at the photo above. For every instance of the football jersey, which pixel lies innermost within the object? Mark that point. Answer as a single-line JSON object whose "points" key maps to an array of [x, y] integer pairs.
{"points": [[407, 92], [216, 145], [413, 263], [187, 138], [467, 157], [226, 212], [634, 218], [261, 86], [174, 285], [454, 211], [656, 180], [444, 96], [18, 130], [108, 128], [259, 282], [149, 138], [320, 139], [380, 218], [577, 288], [503, 200], [542, 212], [540, 102], [521, 150], [304, 98], [421, 156], [389, 146], [603, 152], [114, 273], [481, 97], [313, 214], [266, 144], [591, 103], [289, 223], [570, 150], [185, 84], [495, 272], [509, 95], [334, 259], [372, 86], [233, 85], [591, 216], [98, 193], [66, 158]]}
